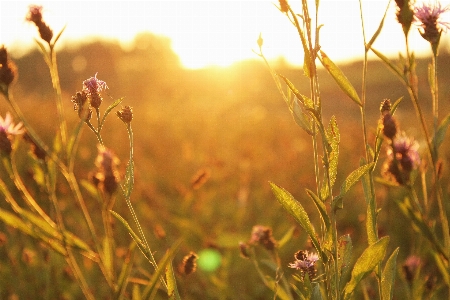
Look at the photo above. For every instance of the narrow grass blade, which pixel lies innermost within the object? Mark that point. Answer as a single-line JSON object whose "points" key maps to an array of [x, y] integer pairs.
{"points": [[125, 272], [172, 290], [368, 260], [167, 258], [298, 212], [286, 237], [388, 276], [340, 78], [378, 31], [132, 233], [395, 69]]}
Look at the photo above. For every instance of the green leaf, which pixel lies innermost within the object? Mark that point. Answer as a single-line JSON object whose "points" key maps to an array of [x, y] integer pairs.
{"points": [[439, 136], [368, 260], [349, 182], [333, 139], [321, 208], [420, 226], [298, 212], [90, 188], [395, 69], [58, 35], [301, 118], [388, 276], [378, 31], [340, 78], [286, 237], [316, 294], [135, 237], [345, 248], [109, 109]]}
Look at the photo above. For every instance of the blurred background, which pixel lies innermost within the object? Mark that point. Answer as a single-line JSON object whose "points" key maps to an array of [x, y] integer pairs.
{"points": [[204, 103]]}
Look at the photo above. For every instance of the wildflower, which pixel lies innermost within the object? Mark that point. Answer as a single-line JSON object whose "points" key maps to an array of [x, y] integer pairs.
{"points": [[189, 264], [7, 131], [263, 235], [305, 262], [35, 16], [405, 14], [429, 18], [92, 87], [125, 114], [403, 158], [8, 70], [411, 266], [107, 176]]}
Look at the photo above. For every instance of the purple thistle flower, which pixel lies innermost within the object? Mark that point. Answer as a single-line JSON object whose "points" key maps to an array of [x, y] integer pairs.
{"points": [[93, 85], [309, 261], [428, 16]]}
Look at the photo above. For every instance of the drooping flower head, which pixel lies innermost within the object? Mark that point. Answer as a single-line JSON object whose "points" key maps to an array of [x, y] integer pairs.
{"points": [[7, 132], [428, 16], [305, 262]]}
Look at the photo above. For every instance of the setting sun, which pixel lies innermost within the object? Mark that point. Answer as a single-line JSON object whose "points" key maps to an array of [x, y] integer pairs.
{"points": [[210, 32]]}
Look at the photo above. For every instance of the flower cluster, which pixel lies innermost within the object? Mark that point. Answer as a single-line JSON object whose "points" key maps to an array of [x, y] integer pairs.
{"points": [[306, 263], [35, 16], [402, 153], [107, 175], [429, 18], [91, 91], [7, 132]]}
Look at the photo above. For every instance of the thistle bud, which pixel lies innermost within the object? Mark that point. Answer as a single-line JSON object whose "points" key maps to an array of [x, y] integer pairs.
{"points": [[125, 114]]}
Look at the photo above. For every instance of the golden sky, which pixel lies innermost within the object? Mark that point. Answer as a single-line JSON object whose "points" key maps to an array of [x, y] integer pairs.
{"points": [[213, 32]]}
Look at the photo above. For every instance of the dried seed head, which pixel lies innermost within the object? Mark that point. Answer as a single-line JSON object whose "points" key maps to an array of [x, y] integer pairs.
{"points": [[8, 70], [125, 114], [389, 125], [80, 105], [404, 14], [284, 6], [189, 264], [35, 15]]}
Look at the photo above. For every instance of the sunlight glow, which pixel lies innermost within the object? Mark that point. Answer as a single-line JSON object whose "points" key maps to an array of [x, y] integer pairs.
{"points": [[212, 32]]}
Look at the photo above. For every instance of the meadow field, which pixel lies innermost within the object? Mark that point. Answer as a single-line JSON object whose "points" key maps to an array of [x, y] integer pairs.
{"points": [[207, 144]]}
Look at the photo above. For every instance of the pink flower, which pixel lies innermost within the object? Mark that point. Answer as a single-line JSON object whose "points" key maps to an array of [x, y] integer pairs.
{"points": [[7, 126], [94, 85], [306, 261]]}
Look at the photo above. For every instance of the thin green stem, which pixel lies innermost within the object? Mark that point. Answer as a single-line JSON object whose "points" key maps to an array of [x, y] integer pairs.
{"points": [[57, 87]]}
